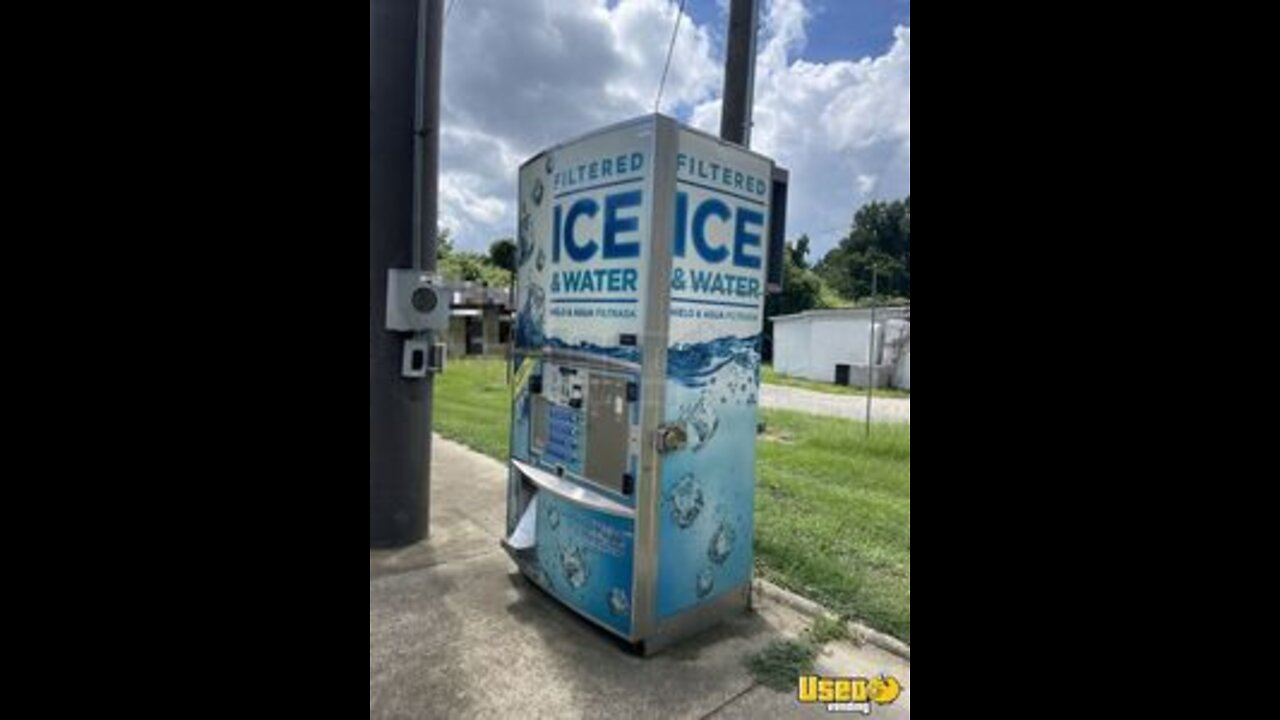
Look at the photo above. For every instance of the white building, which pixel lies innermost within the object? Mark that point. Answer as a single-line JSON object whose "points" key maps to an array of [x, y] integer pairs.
{"points": [[831, 346]]}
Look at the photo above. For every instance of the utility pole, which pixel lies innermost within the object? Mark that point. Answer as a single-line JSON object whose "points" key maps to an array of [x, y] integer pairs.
{"points": [[739, 73], [404, 133], [871, 346]]}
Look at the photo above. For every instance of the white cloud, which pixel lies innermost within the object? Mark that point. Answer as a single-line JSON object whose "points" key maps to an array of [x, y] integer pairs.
{"points": [[520, 76], [842, 128]]}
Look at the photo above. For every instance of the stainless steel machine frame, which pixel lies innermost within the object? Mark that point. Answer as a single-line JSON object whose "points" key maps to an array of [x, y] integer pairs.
{"points": [[648, 633]]}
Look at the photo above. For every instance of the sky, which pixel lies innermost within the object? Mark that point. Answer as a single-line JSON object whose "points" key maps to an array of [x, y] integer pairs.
{"points": [[832, 96]]}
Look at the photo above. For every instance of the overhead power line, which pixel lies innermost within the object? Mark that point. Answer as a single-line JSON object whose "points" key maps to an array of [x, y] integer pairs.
{"points": [[667, 65]]}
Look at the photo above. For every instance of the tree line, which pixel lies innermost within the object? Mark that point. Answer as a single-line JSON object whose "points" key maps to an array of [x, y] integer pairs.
{"points": [[878, 243], [493, 269]]}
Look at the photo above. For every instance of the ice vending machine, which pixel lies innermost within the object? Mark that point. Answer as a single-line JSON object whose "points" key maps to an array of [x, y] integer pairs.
{"points": [[643, 252]]}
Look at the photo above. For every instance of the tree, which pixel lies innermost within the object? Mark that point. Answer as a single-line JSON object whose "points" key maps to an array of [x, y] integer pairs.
{"points": [[464, 265], [880, 239], [802, 289], [444, 244], [502, 253], [799, 252]]}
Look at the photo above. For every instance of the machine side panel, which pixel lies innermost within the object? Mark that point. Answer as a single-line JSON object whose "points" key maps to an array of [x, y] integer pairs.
{"points": [[712, 382]]}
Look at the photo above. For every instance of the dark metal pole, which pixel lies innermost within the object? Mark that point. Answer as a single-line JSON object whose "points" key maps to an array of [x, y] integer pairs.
{"points": [[871, 346], [427, 134], [739, 73], [404, 82]]}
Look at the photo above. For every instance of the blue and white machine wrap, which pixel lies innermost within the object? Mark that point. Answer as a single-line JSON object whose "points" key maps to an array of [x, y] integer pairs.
{"points": [[642, 258]]}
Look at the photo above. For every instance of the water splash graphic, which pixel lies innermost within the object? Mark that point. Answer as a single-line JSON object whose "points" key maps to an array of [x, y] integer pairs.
{"points": [[721, 543], [529, 325], [701, 421], [628, 353], [574, 567], [618, 603], [696, 364], [686, 501], [524, 248], [705, 582]]}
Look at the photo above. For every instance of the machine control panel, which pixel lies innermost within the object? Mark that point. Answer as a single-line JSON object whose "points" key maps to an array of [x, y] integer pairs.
{"points": [[586, 425], [564, 438]]}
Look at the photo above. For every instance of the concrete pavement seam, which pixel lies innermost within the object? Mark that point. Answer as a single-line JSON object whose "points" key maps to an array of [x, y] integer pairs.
{"points": [[731, 700]]}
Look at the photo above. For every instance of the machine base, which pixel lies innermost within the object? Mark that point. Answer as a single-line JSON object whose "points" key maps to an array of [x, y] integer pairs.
{"points": [[675, 629], [694, 621]]}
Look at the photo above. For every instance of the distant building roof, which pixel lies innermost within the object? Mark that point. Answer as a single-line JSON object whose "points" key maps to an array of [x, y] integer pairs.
{"points": [[886, 312], [475, 294]]}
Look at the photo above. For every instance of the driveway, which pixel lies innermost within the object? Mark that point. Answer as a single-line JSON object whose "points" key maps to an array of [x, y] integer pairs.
{"points": [[846, 406]]}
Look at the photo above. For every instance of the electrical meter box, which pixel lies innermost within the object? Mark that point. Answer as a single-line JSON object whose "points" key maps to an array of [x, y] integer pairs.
{"points": [[643, 254], [415, 302]]}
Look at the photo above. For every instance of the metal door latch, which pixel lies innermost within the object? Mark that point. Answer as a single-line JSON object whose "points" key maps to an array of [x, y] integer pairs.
{"points": [[671, 437]]}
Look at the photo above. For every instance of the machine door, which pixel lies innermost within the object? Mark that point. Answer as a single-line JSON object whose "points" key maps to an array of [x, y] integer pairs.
{"points": [[607, 431]]}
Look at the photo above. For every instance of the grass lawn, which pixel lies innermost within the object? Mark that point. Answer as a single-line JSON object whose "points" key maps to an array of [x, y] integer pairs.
{"points": [[769, 375], [473, 405], [833, 515], [833, 508]]}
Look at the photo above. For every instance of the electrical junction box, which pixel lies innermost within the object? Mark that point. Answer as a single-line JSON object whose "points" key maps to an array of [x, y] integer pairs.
{"points": [[416, 301]]}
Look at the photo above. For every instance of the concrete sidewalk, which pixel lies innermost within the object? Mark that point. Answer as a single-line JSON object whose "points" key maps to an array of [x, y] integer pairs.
{"points": [[455, 631], [853, 407]]}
